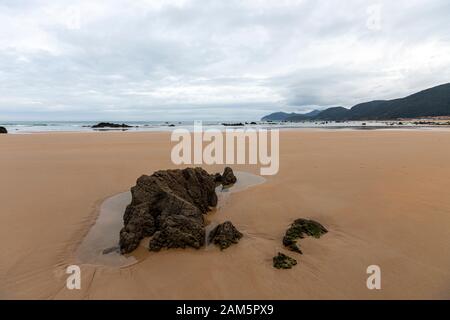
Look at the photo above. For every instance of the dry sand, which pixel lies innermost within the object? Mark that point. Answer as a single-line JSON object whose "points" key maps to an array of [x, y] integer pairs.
{"points": [[383, 195]]}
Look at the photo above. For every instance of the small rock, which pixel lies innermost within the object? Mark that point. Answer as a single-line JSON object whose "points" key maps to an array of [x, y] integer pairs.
{"points": [[282, 261], [3, 130], [299, 229], [224, 235], [228, 177]]}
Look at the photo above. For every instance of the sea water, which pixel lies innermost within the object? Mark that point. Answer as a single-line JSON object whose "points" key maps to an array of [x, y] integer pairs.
{"points": [[138, 126]]}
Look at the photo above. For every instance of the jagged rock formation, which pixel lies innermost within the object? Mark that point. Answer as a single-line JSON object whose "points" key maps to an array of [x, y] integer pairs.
{"points": [[282, 261], [168, 206], [299, 229], [3, 130], [224, 235]]}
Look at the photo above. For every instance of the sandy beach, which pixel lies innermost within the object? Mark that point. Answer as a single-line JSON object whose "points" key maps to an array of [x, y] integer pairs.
{"points": [[383, 196]]}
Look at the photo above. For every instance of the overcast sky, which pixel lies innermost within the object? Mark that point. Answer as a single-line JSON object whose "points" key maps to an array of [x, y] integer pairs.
{"points": [[181, 60]]}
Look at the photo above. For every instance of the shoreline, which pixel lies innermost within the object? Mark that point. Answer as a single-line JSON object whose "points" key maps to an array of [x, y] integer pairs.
{"points": [[31, 127], [306, 129]]}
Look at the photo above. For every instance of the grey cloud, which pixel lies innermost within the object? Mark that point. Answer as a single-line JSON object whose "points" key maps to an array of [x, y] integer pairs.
{"points": [[151, 60]]}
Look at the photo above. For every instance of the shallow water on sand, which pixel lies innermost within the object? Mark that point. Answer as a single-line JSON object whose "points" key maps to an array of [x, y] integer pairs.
{"points": [[101, 244]]}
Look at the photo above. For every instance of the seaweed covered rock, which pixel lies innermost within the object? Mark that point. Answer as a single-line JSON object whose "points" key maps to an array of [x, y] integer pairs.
{"points": [[282, 261], [3, 130], [168, 206], [224, 235], [299, 229]]}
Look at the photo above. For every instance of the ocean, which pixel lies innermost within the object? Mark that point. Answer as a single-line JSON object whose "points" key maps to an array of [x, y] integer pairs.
{"points": [[18, 127]]}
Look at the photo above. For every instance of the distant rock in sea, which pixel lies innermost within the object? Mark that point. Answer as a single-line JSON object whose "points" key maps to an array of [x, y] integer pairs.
{"points": [[106, 125], [238, 124], [168, 206], [3, 130]]}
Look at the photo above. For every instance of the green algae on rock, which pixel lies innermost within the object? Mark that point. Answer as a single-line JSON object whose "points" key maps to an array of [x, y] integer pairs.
{"points": [[299, 229], [282, 261]]}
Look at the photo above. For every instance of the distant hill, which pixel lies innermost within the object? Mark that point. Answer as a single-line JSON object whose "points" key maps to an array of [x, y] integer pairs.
{"points": [[428, 103], [312, 113], [277, 116], [283, 116], [335, 113]]}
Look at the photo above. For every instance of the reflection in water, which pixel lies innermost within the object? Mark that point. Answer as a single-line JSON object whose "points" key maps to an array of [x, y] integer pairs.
{"points": [[100, 246]]}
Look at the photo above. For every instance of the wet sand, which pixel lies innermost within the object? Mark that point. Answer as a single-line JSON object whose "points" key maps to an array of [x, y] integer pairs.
{"points": [[383, 195]]}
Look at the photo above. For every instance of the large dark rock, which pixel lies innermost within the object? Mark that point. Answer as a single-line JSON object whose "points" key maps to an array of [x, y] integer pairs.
{"points": [[109, 125], [299, 229], [224, 235], [3, 130], [169, 206]]}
